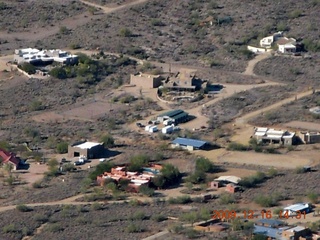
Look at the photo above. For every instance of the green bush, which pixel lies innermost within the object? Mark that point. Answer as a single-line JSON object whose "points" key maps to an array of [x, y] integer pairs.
{"points": [[266, 201], [313, 197], [28, 68], [11, 228], [108, 140], [137, 162], [54, 227], [159, 218], [35, 105], [233, 146], [62, 147], [145, 190], [226, 198], [134, 228], [139, 216], [100, 169], [23, 208], [299, 170], [197, 177], [58, 72], [204, 165], [125, 32], [180, 200]]}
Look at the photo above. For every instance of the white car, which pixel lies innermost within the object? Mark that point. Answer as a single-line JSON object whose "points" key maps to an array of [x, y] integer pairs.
{"points": [[102, 159]]}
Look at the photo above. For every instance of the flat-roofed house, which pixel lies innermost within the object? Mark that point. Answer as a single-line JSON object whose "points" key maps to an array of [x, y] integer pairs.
{"points": [[269, 135], [144, 80], [87, 149]]}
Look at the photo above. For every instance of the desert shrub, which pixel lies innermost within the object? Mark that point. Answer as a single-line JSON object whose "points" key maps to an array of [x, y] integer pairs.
{"points": [[265, 201], [299, 170], [108, 140], [191, 233], [313, 197], [125, 32], [157, 22], [63, 30], [100, 169], [35, 105], [252, 181], [272, 172], [41, 218], [5, 145], [11, 228], [23, 208], [226, 198], [54, 227], [176, 228], [169, 175], [137, 162], [134, 228], [233, 146], [159, 218], [138, 216], [145, 190], [277, 210], [37, 184], [295, 14], [28, 68], [58, 72], [74, 46], [96, 206], [62, 147], [197, 177], [180, 200], [204, 165], [312, 46]]}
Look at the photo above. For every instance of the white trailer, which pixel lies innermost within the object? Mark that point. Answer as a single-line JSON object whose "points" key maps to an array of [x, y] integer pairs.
{"points": [[147, 128], [167, 122], [167, 129], [153, 129]]}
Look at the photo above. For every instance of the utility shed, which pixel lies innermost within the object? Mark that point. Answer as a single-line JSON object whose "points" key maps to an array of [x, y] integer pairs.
{"points": [[188, 143], [87, 149]]}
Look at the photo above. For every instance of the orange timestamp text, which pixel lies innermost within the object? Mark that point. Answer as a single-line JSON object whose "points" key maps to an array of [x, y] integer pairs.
{"points": [[250, 214]]}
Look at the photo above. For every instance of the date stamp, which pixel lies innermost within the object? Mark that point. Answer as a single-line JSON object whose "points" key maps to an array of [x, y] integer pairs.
{"points": [[250, 214]]}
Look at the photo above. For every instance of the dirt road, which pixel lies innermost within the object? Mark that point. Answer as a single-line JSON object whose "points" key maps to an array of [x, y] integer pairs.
{"points": [[244, 119], [253, 62], [114, 9]]}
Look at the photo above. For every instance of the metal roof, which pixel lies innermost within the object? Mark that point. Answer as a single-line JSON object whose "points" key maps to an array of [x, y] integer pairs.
{"points": [[268, 231], [189, 142], [297, 207], [271, 222], [181, 115], [171, 113], [88, 145], [232, 179]]}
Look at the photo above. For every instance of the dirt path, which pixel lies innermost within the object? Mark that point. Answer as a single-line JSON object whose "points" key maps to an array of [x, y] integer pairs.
{"points": [[245, 118], [253, 62], [114, 9]]}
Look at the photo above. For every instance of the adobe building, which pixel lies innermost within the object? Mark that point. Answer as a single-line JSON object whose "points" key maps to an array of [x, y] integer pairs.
{"points": [[145, 80], [87, 149]]}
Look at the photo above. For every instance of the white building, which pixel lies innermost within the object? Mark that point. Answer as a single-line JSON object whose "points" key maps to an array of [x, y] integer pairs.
{"points": [[274, 136], [34, 56], [287, 45], [297, 208], [267, 41]]}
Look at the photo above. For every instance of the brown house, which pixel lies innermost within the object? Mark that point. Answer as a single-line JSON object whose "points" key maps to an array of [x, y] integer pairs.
{"points": [[145, 80], [87, 149], [185, 80]]}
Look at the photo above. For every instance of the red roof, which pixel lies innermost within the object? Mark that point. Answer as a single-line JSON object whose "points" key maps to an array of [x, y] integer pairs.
{"points": [[9, 157]]}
